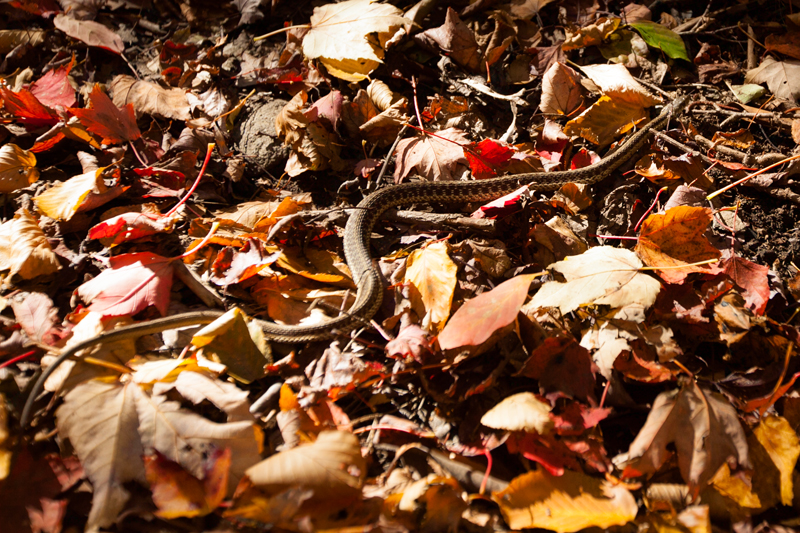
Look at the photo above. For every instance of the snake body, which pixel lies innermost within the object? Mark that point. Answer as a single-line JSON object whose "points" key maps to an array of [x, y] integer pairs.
{"points": [[356, 246]]}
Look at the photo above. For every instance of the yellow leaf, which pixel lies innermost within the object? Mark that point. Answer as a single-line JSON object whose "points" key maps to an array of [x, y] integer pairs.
{"points": [[565, 503], [24, 250], [433, 273], [62, 201], [781, 443], [604, 120], [17, 168]]}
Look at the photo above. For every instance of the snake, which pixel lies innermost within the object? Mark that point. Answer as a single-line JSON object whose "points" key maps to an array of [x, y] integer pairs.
{"points": [[357, 234]]}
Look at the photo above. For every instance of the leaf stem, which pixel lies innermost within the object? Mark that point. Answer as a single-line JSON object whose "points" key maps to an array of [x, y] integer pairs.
{"points": [[282, 30], [196, 182], [749, 176], [206, 239]]}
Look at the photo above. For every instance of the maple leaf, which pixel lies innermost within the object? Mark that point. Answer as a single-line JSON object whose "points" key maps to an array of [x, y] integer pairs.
{"points": [[752, 278], [432, 157], [130, 226], [54, 89], [339, 36], [17, 168], [602, 275], [704, 429], [487, 157], [26, 107], [112, 425], [675, 239], [90, 32], [112, 124], [564, 504], [130, 284]]}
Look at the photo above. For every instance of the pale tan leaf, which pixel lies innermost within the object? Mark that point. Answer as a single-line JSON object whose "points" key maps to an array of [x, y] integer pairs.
{"points": [[17, 168], [339, 36], [616, 81], [433, 158], [150, 98], [780, 441], [525, 9], [10, 39], [782, 77], [433, 274], [100, 421], [24, 249], [325, 464], [520, 412], [561, 90], [566, 503], [603, 275]]}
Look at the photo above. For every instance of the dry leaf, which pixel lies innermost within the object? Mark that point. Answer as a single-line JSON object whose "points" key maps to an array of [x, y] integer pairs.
{"points": [[340, 36], [112, 124], [66, 198], [520, 412], [561, 90], [616, 82], [782, 77], [675, 239], [24, 249], [603, 275], [604, 120], [456, 40], [90, 32], [149, 98], [17, 168], [780, 441], [591, 34], [566, 503], [702, 426], [433, 158], [433, 274]]}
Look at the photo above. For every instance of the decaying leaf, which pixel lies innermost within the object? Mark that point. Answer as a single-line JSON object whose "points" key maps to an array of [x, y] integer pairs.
{"points": [[90, 32]]}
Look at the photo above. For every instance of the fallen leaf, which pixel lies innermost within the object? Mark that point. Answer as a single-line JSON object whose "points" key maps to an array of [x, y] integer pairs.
{"points": [[131, 283], [38, 317], [752, 279], [675, 239], [24, 250], [26, 107], [487, 158], [130, 226], [112, 124], [234, 266], [177, 493], [149, 98], [520, 412], [78, 193], [703, 428], [456, 40], [782, 77], [566, 503], [10, 39], [788, 43], [49, 519], [54, 89], [433, 158], [561, 364], [561, 90], [602, 275], [590, 35], [17, 168], [604, 120], [780, 441], [433, 274], [483, 317], [340, 36], [616, 82], [90, 32], [660, 37]]}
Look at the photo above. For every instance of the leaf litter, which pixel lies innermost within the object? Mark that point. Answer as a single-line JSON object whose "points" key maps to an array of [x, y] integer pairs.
{"points": [[622, 354]]}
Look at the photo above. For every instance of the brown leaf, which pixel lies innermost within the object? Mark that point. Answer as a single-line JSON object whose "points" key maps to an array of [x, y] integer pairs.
{"points": [[149, 98], [520, 412], [702, 426], [752, 278], [433, 158], [90, 32], [561, 90], [675, 239], [24, 250], [456, 40]]}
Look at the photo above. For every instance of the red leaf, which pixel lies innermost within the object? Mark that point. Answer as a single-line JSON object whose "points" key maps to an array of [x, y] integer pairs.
{"points": [[25, 106], [132, 283], [502, 206], [561, 364], [130, 226], [752, 278], [115, 125], [53, 89], [487, 157]]}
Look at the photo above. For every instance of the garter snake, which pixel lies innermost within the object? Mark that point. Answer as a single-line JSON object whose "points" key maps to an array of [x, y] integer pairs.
{"points": [[356, 245]]}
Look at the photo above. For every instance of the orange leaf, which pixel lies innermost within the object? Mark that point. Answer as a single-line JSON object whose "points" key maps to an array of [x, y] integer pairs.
{"points": [[675, 239], [115, 125]]}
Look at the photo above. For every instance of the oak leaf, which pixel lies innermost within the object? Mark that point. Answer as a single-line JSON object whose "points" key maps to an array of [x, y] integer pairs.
{"points": [[433, 274], [566, 503], [602, 275], [702, 426], [675, 239], [17, 168], [340, 36]]}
